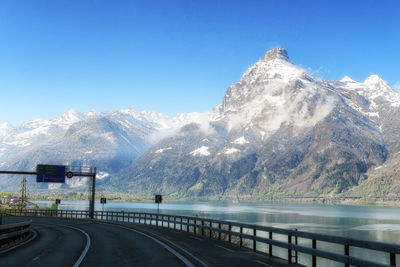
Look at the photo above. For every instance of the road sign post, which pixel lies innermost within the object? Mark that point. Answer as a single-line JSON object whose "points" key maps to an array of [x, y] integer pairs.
{"points": [[158, 200], [91, 210], [103, 201]]}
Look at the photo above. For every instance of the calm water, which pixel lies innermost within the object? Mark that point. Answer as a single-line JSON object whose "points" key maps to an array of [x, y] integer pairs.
{"points": [[361, 222]]}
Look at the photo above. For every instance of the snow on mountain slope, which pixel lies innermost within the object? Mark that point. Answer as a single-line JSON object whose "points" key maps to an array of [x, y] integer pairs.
{"points": [[275, 91], [4, 129], [278, 128], [375, 99], [39, 131], [110, 140], [373, 88]]}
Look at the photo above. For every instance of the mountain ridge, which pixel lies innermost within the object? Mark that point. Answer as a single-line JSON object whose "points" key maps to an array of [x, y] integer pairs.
{"points": [[299, 135], [277, 130]]}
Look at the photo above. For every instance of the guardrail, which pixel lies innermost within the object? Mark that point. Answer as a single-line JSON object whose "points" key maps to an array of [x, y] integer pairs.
{"points": [[261, 239], [14, 232]]}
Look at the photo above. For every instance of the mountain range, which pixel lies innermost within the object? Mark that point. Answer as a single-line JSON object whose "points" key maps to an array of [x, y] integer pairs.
{"points": [[278, 131]]}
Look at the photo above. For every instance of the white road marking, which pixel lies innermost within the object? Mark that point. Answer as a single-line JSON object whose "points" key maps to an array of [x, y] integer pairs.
{"points": [[173, 251], [88, 241], [84, 252]]}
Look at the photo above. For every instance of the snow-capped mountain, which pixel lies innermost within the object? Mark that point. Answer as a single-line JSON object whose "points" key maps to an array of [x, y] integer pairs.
{"points": [[110, 140], [277, 130], [374, 88], [379, 102], [4, 129], [275, 91]]}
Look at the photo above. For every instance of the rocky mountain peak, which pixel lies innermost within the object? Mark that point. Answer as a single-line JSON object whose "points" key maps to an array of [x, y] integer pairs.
{"points": [[347, 79], [376, 81], [72, 115], [276, 53]]}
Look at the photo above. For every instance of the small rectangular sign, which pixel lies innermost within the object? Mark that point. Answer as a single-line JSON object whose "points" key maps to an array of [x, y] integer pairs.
{"points": [[158, 198], [50, 174]]}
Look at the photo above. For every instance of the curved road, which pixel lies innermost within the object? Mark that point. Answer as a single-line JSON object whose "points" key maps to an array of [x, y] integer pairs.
{"points": [[64, 243]]}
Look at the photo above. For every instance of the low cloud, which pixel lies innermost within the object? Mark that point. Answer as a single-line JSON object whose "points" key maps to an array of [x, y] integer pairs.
{"points": [[316, 73], [396, 87]]}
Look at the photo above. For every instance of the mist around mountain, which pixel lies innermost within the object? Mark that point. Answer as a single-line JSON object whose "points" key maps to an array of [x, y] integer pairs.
{"points": [[111, 140], [278, 131]]}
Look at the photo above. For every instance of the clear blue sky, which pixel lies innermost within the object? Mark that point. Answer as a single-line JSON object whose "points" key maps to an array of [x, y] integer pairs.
{"points": [[177, 56]]}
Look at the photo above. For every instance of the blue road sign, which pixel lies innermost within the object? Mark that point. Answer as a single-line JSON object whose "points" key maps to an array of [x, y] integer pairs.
{"points": [[50, 174]]}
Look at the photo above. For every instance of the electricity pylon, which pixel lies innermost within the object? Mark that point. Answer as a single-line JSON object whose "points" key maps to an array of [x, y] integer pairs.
{"points": [[22, 194]]}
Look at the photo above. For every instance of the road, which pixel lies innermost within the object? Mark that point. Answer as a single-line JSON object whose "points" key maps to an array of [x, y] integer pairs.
{"points": [[62, 242]]}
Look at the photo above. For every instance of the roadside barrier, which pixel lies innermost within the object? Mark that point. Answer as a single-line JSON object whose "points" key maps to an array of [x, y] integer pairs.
{"points": [[262, 239], [14, 233]]}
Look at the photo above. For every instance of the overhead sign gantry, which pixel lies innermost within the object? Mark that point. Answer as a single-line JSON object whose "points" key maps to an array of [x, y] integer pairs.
{"points": [[50, 174], [57, 173]]}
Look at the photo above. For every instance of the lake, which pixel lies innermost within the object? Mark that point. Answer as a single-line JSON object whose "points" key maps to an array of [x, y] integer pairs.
{"points": [[374, 223]]}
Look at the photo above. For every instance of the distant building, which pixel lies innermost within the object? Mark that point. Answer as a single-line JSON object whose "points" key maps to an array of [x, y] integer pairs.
{"points": [[14, 200]]}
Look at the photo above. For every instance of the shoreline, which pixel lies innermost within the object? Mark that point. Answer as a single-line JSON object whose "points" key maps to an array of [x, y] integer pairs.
{"points": [[307, 200]]}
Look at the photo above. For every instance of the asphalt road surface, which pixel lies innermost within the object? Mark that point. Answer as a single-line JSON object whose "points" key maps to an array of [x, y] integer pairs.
{"points": [[62, 242]]}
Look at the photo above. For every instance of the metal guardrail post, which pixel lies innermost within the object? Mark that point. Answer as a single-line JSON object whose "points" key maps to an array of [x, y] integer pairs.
{"points": [[181, 223], [202, 228], [346, 253], [296, 254], [254, 240], [230, 236], [314, 258], [219, 232], [241, 238], [210, 229], [270, 246], [289, 249], [392, 259]]}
